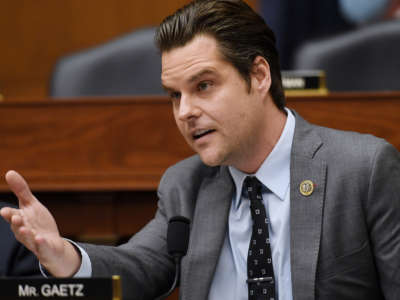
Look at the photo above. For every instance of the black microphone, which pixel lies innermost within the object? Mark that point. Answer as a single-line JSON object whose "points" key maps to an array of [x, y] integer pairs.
{"points": [[177, 245]]}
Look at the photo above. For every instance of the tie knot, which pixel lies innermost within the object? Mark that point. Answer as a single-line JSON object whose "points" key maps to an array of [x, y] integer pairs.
{"points": [[252, 186]]}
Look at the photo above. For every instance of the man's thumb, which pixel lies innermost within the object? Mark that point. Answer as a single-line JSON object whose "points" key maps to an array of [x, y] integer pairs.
{"points": [[19, 187]]}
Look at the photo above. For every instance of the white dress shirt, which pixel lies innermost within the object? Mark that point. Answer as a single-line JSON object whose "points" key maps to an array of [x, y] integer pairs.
{"points": [[230, 277]]}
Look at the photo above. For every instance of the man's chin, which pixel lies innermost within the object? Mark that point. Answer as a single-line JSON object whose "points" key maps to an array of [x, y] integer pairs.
{"points": [[212, 160]]}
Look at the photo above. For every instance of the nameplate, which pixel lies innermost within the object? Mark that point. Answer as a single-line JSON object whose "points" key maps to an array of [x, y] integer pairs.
{"points": [[299, 82], [13, 288]]}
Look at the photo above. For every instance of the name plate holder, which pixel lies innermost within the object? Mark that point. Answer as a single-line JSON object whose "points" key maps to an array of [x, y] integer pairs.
{"points": [[14, 288]]}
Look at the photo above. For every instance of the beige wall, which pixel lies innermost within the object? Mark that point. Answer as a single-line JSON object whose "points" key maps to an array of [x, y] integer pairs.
{"points": [[34, 33]]}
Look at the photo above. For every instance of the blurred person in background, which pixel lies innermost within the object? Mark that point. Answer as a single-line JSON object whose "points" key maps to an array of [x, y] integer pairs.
{"points": [[295, 22]]}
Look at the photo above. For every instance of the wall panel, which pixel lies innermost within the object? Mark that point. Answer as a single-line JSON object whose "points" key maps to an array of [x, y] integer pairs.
{"points": [[35, 33]]}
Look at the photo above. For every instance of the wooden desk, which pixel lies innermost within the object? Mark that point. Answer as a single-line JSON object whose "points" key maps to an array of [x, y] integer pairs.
{"points": [[96, 163], [90, 145]]}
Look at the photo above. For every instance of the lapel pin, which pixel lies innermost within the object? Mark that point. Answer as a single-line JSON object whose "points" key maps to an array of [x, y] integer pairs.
{"points": [[306, 187]]}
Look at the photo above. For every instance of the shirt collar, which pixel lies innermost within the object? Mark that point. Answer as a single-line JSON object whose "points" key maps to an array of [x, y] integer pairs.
{"points": [[274, 172]]}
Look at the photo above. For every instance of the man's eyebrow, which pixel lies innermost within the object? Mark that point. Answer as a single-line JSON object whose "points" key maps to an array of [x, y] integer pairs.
{"points": [[198, 75], [192, 79]]}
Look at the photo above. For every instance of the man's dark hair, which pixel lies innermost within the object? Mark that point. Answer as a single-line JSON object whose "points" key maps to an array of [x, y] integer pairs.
{"points": [[241, 33]]}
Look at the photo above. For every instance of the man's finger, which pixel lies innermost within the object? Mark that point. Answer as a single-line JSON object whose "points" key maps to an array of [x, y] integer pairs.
{"points": [[16, 220], [19, 187], [8, 212]]}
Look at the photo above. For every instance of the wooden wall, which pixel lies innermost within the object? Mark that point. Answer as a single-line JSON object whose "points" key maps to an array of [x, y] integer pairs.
{"points": [[33, 34]]}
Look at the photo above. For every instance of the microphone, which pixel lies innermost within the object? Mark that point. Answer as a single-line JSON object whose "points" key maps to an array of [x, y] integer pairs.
{"points": [[177, 245]]}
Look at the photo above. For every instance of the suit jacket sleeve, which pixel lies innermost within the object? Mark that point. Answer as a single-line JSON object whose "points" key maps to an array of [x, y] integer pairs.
{"points": [[383, 218], [145, 267], [143, 263]]}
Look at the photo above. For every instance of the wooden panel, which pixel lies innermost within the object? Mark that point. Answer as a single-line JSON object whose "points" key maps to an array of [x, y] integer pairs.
{"points": [[126, 144], [97, 217], [374, 113], [90, 145], [34, 34]]}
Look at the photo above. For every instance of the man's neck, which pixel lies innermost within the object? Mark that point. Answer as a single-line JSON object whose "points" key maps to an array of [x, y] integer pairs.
{"points": [[275, 123]]}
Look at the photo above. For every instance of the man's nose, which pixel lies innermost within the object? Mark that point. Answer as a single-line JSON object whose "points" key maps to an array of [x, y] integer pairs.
{"points": [[187, 108]]}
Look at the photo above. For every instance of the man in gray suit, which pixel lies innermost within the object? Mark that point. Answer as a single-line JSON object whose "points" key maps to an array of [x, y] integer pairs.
{"points": [[331, 198]]}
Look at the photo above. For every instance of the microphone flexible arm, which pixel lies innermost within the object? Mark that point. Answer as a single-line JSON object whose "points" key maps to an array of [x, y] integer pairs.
{"points": [[176, 279]]}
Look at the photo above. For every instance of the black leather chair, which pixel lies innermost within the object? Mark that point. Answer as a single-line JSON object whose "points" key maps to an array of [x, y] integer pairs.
{"points": [[366, 59], [128, 65]]}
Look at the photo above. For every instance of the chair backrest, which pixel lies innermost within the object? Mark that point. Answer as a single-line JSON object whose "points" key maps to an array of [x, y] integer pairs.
{"points": [[367, 58], [129, 65]]}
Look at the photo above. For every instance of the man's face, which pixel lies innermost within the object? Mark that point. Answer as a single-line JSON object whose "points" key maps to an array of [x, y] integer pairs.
{"points": [[212, 105]]}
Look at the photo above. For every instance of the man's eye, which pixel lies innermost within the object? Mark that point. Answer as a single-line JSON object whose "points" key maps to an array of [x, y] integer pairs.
{"points": [[204, 85], [175, 95]]}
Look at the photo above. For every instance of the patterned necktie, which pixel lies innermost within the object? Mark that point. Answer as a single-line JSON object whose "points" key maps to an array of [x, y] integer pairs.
{"points": [[260, 271]]}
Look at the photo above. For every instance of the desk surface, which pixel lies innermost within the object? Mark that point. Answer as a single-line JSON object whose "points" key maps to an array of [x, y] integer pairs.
{"points": [[127, 143]]}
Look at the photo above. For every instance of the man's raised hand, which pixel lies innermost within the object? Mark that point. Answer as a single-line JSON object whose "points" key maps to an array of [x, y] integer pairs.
{"points": [[34, 226]]}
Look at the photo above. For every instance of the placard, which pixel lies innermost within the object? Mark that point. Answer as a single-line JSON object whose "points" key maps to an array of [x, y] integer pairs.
{"points": [[14, 288], [304, 82]]}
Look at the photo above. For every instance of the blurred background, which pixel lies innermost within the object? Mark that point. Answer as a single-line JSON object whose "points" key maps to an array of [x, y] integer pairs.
{"points": [[36, 34], [296, 23], [354, 42]]}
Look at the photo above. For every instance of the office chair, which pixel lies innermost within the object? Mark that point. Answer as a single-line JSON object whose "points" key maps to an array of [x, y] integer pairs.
{"points": [[366, 59], [128, 65]]}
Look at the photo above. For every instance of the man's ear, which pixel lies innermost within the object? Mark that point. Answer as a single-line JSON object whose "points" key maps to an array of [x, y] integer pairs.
{"points": [[260, 75]]}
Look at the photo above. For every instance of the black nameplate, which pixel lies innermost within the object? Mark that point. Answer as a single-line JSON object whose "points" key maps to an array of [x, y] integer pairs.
{"points": [[60, 288], [303, 82]]}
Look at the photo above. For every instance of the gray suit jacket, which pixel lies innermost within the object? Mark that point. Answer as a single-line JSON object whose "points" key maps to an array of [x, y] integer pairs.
{"points": [[345, 236]]}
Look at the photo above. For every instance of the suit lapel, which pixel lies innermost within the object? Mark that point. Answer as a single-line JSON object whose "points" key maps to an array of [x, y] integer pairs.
{"points": [[306, 211], [207, 235]]}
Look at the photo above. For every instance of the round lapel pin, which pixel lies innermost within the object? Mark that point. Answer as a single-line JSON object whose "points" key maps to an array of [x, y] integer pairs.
{"points": [[306, 187]]}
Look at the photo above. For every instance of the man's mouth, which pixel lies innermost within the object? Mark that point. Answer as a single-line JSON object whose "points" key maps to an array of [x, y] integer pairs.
{"points": [[200, 133]]}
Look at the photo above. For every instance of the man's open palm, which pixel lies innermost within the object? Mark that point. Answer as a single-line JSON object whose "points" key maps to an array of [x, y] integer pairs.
{"points": [[34, 226]]}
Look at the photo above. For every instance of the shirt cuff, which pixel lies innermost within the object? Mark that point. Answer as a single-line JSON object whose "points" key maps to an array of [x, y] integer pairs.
{"points": [[85, 269]]}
